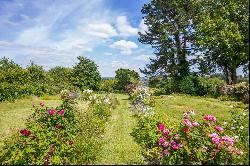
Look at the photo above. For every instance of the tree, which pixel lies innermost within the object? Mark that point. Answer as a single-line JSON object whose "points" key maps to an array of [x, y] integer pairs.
{"points": [[85, 74], [60, 75], [6, 64], [222, 31], [170, 33], [125, 77], [36, 73]]}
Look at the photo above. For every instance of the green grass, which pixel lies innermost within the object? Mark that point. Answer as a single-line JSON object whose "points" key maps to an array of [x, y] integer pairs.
{"points": [[173, 106], [119, 147], [13, 114]]}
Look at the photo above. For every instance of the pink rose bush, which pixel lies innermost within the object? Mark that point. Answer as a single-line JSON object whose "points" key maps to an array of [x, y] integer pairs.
{"points": [[195, 141]]}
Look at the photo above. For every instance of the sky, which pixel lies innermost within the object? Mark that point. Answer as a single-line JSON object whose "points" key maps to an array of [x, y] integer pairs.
{"points": [[55, 32]]}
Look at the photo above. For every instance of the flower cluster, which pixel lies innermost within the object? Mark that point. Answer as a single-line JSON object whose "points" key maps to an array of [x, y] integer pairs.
{"points": [[25, 132], [168, 142], [58, 112], [140, 98], [209, 118], [212, 144]]}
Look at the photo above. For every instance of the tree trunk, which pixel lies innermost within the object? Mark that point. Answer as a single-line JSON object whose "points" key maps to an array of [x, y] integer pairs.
{"points": [[234, 76], [226, 74]]}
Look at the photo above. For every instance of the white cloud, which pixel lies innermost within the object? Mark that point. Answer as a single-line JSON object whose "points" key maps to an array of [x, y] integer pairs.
{"points": [[124, 27], [125, 46], [143, 27], [101, 30], [37, 35]]}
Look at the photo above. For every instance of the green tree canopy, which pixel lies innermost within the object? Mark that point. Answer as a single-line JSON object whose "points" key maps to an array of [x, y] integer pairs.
{"points": [[169, 32], [85, 74], [125, 77], [222, 31]]}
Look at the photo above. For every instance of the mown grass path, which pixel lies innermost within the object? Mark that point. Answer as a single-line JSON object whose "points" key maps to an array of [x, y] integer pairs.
{"points": [[119, 147]]}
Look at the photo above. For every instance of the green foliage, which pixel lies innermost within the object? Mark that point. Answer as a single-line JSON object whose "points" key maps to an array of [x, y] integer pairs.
{"points": [[186, 85], [205, 86], [91, 127], [61, 135], [49, 137], [169, 31], [59, 79], [85, 74], [219, 31], [124, 77], [193, 85], [108, 85], [238, 92]]}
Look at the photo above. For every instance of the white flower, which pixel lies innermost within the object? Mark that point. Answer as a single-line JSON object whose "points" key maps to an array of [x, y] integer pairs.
{"points": [[233, 128], [225, 123], [236, 136], [241, 127], [234, 121], [244, 114]]}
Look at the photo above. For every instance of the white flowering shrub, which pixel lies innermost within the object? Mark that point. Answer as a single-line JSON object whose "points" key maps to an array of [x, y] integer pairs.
{"points": [[140, 98]]}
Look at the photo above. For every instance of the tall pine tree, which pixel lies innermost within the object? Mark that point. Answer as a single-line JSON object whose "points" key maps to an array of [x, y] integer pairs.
{"points": [[170, 34]]}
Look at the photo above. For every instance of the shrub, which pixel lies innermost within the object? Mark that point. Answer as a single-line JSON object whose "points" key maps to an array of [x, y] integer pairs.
{"points": [[91, 127], [48, 138], [85, 74], [207, 86], [186, 85], [194, 142], [124, 77], [61, 135], [107, 85], [239, 92], [166, 87]]}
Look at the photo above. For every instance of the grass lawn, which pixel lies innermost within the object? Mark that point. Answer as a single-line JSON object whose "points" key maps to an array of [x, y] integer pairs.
{"points": [[173, 106], [119, 147]]}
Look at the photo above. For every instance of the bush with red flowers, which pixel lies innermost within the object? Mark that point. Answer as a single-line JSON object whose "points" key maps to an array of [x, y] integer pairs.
{"points": [[47, 139]]}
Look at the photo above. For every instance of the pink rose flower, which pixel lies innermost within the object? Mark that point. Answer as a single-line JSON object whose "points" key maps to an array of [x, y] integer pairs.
{"points": [[173, 142], [161, 127], [195, 124], [179, 145], [166, 131], [51, 112], [218, 128], [216, 139], [187, 123], [209, 118], [213, 135], [175, 146], [239, 152], [161, 140], [61, 112], [165, 144]]}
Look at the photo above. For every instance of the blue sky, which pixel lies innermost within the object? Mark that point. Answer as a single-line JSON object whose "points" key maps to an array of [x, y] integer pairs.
{"points": [[55, 32]]}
